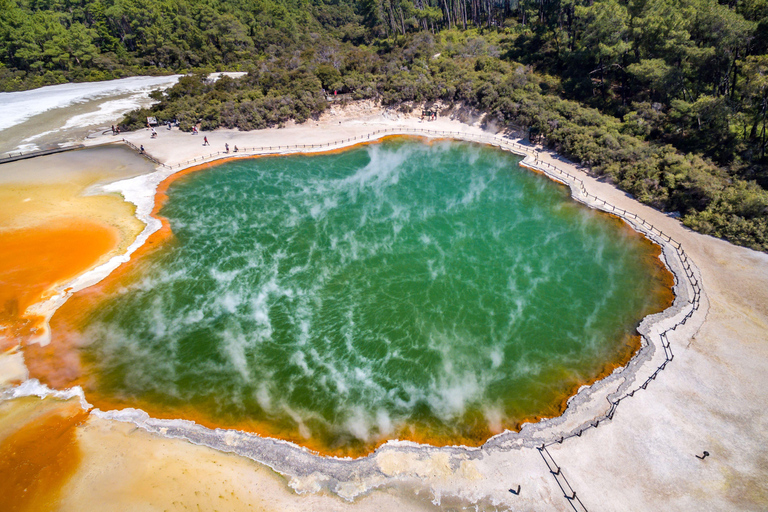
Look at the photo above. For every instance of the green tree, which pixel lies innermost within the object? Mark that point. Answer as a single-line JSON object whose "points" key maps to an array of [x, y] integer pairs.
{"points": [[604, 36], [755, 93]]}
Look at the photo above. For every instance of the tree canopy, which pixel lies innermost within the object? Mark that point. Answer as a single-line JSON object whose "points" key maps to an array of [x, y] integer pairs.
{"points": [[667, 98]]}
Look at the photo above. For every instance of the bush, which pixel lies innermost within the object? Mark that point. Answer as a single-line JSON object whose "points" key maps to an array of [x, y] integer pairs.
{"points": [[284, 88]]}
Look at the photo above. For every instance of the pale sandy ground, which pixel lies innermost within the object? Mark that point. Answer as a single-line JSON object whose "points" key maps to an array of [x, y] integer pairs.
{"points": [[711, 397], [34, 192]]}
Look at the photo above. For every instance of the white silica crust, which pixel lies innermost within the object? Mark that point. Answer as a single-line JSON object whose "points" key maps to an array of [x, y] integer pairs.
{"points": [[34, 387], [17, 107], [139, 191]]}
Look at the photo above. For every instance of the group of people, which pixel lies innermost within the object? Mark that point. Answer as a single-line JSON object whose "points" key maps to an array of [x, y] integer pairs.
{"points": [[429, 115], [115, 130], [195, 131], [226, 145]]}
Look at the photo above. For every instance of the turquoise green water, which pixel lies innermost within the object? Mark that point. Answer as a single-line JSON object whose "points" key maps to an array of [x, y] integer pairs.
{"points": [[399, 289]]}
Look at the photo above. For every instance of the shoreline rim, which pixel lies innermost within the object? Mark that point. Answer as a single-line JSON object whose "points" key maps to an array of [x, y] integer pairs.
{"points": [[275, 453]]}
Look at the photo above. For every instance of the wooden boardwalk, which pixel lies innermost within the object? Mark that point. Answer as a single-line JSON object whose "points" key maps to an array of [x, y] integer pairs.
{"points": [[41, 152]]}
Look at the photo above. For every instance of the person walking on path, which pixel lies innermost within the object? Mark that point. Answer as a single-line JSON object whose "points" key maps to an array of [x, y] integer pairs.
{"points": [[205, 141], [226, 147]]}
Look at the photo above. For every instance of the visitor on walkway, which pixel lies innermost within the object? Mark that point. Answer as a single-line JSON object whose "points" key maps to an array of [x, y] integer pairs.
{"points": [[226, 147], [205, 141]]}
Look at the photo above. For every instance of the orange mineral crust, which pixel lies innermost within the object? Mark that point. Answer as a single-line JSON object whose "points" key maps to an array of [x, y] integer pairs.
{"points": [[35, 260], [39, 458]]}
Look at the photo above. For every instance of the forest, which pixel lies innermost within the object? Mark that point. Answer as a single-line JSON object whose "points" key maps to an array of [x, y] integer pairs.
{"points": [[667, 99]]}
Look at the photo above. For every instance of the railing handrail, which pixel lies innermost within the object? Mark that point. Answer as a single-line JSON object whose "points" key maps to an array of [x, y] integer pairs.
{"points": [[579, 193], [261, 149], [144, 153], [21, 155]]}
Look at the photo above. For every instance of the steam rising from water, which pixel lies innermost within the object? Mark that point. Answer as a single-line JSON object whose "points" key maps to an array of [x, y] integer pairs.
{"points": [[351, 297]]}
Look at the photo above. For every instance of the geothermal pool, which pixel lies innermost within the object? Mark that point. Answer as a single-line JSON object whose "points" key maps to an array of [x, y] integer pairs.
{"points": [[433, 292]]}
